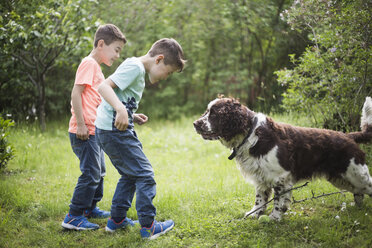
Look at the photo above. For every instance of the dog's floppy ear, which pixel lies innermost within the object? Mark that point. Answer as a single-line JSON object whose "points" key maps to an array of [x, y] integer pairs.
{"points": [[234, 118]]}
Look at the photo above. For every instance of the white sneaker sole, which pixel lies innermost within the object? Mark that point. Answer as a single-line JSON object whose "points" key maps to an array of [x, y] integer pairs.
{"points": [[72, 227], [109, 230], [161, 233]]}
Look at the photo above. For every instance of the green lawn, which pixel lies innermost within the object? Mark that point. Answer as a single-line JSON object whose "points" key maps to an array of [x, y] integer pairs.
{"points": [[197, 187]]}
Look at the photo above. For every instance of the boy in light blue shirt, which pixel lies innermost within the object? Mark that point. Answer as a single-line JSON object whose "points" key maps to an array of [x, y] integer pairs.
{"points": [[129, 83], [116, 116]]}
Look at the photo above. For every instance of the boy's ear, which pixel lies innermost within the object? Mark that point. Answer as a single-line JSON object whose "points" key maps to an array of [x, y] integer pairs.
{"points": [[100, 43], [159, 58]]}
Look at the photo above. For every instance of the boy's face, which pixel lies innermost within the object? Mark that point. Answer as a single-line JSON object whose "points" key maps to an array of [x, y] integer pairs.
{"points": [[111, 52], [160, 71]]}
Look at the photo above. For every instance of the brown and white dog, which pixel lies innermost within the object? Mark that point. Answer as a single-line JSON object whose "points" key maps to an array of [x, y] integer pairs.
{"points": [[275, 156]]}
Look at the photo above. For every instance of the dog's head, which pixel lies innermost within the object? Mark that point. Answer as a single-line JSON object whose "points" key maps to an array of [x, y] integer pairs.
{"points": [[224, 118]]}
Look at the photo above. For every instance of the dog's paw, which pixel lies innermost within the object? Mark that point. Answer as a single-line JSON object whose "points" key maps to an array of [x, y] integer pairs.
{"points": [[253, 214], [275, 216]]}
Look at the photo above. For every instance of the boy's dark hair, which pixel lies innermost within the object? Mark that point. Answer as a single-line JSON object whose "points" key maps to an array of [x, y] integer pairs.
{"points": [[108, 33], [172, 51]]}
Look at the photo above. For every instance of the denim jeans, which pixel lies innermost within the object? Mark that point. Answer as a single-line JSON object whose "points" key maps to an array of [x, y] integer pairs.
{"points": [[137, 175], [89, 188]]}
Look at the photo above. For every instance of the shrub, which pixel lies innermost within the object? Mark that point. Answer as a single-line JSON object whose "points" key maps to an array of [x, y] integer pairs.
{"points": [[6, 149], [332, 78]]}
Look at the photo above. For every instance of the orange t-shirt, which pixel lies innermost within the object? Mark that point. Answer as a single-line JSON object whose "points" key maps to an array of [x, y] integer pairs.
{"points": [[89, 74]]}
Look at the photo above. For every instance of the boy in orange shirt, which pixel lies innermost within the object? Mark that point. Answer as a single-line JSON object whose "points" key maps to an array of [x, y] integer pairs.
{"points": [[108, 43]]}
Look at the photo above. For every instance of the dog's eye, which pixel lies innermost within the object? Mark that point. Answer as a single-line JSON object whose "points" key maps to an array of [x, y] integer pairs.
{"points": [[212, 111]]}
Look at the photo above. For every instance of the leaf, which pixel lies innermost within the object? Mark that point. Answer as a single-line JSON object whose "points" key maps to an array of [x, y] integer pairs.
{"points": [[39, 15], [36, 33]]}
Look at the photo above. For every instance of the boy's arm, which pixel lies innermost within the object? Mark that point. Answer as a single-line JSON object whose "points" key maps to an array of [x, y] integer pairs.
{"points": [[82, 131], [107, 92]]}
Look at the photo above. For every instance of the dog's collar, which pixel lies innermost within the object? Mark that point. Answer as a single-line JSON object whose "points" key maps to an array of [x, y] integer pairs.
{"points": [[233, 154]]}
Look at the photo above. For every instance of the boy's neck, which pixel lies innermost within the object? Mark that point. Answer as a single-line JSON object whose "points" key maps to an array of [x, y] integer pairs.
{"points": [[147, 62], [96, 56]]}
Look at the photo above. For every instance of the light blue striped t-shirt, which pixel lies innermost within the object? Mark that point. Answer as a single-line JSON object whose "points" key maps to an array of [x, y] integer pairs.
{"points": [[130, 79]]}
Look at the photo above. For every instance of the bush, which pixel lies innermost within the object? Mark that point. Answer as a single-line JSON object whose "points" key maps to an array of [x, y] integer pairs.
{"points": [[6, 149], [332, 78]]}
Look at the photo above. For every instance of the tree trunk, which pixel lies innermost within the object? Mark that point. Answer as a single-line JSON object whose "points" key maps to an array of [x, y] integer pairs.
{"points": [[41, 103], [42, 117]]}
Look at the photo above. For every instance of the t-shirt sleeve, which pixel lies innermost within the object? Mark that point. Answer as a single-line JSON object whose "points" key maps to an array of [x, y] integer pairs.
{"points": [[85, 72], [125, 74]]}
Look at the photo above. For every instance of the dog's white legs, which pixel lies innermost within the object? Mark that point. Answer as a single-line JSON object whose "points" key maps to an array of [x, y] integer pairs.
{"points": [[282, 194], [356, 180], [262, 196], [358, 176], [344, 184]]}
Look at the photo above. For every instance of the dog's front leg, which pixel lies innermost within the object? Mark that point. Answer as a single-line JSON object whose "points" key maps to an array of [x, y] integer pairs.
{"points": [[262, 196], [282, 200]]}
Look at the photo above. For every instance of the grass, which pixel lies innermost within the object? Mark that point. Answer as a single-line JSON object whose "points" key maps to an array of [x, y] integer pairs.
{"points": [[197, 186]]}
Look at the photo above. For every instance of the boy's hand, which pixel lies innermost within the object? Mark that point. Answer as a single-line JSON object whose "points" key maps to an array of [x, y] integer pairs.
{"points": [[121, 120], [140, 118], [82, 132]]}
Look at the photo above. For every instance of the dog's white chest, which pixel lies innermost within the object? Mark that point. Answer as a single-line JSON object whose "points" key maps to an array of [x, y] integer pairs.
{"points": [[261, 170]]}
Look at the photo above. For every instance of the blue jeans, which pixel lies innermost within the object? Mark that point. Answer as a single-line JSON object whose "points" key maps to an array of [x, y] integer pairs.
{"points": [[89, 188], [137, 175]]}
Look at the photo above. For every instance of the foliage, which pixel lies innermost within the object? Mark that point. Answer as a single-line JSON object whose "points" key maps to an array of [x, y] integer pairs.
{"points": [[6, 149], [332, 78], [197, 186], [35, 37], [233, 50]]}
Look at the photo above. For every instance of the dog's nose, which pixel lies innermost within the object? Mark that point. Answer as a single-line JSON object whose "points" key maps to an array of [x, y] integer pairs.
{"points": [[195, 123]]}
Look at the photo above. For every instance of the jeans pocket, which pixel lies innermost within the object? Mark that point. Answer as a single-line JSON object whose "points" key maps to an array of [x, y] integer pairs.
{"points": [[103, 136], [77, 144], [74, 139]]}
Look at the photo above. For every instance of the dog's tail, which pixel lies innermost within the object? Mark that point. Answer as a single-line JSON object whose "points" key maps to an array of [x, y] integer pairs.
{"points": [[365, 136]]}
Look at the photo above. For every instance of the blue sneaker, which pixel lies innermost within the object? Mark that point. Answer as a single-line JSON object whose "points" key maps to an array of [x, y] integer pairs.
{"points": [[156, 229], [96, 213], [78, 223], [112, 225]]}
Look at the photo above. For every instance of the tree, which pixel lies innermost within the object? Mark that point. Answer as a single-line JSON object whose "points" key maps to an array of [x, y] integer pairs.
{"points": [[37, 35], [233, 49], [332, 77]]}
